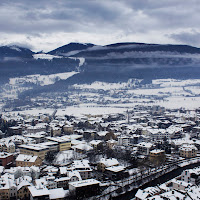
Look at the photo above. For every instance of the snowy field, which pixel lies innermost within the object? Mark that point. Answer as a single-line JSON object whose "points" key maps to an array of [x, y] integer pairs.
{"points": [[41, 79], [100, 98], [74, 110], [89, 110]]}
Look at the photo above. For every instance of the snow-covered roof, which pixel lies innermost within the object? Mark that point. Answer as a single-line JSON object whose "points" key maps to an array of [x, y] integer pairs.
{"points": [[81, 164], [188, 147], [173, 194], [36, 192], [84, 147], [102, 133], [141, 194], [5, 155], [109, 162], [194, 192], [183, 183], [145, 144], [36, 147], [26, 158], [84, 183], [58, 139], [157, 151], [115, 168], [95, 142], [7, 181], [57, 193], [36, 135], [23, 183], [76, 142], [112, 141]]}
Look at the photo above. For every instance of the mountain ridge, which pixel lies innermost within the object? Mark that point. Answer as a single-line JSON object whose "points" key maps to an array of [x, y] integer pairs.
{"points": [[126, 60]]}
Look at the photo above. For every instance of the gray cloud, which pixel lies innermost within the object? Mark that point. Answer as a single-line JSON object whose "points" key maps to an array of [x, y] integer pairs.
{"points": [[144, 20], [20, 44], [187, 37]]}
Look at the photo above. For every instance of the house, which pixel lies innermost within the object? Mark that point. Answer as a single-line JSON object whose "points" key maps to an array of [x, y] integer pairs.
{"points": [[105, 163], [22, 190], [62, 182], [180, 185], [191, 176], [188, 151], [68, 129], [55, 131], [8, 188], [111, 143], [47, 181], [82, 148], [71, 173], [52, 146], [157, 156], [50, 170], [28, 160], [34, 150], [147, 192], [15, 130], [83, 167], [17, 172], [115, 172], [37, 193], [39, 137], [7, 145], [141, 195], [70, 176], [6, 159], [63, 143], [96, 144], [41, 127], [123, 140], [84, 188], [105, 135], [144, 148]]}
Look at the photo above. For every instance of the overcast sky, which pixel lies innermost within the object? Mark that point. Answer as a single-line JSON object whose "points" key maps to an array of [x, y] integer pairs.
{"points": [[48, 24]]}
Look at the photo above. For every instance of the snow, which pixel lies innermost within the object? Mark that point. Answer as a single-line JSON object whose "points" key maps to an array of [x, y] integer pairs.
{"points": [[175, 82], [193, 89], [178, 91], [87, 110], [188, 162], [84, 183], [71, 53], [15, 48], [115, 98], [42, 79], [141, 195], [81, 61], [109, 86], [156, 151], [64, 156], [109, 162], [83, 147], [180, 102], [115, 168], [26, 158], [81, 164], [38, 192], [45, 56], [133, 171], [57, 193]]}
